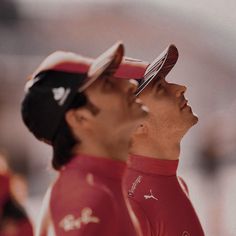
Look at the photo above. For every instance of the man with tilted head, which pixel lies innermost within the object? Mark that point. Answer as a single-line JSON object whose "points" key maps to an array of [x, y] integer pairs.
{"points": [[86, 110], [159, 198]]}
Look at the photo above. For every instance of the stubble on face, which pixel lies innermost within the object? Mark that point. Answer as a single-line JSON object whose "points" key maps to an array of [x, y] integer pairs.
{"points": [[170, 115]]}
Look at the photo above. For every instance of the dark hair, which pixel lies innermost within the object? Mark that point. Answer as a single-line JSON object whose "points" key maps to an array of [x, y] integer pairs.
{"points": [[64, 140]]}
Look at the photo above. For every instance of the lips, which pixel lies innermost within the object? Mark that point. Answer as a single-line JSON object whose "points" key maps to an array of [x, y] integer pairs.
{"points": [[134, 100], [140, 104], [138, 101]]}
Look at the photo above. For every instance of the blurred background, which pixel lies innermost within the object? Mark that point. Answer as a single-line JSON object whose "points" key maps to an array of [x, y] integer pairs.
{"points": [[205, 34]]}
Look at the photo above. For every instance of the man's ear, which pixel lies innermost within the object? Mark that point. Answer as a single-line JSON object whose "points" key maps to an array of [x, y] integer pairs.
{"points": [[78, 117]]}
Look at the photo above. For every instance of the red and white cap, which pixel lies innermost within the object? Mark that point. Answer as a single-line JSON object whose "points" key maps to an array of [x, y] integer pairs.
{"points": [[60, 77], [160, 67], [111, 61]]}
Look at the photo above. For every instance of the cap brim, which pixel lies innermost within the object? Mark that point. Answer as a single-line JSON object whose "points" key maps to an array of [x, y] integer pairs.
{"points": [[107, 63], [131, 68], [160, 67]]}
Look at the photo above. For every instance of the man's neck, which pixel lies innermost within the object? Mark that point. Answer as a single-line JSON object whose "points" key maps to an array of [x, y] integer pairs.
{"points": [[164, 151], [112, 150]]}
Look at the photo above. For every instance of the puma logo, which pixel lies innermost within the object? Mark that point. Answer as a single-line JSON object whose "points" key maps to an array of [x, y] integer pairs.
{"points": [[150, 196]]}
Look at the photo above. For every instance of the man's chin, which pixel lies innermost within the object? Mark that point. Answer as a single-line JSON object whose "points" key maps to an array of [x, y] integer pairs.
{"points": [[191, 123], [195, 119]]}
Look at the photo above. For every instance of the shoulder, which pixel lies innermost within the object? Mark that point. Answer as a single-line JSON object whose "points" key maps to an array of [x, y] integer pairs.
{"points": [[91, 211], [82, 205], [73, 189]]}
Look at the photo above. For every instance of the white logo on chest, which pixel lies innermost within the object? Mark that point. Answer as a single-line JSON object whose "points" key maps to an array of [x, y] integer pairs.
{"points": [[69, 222], [150, 196]]}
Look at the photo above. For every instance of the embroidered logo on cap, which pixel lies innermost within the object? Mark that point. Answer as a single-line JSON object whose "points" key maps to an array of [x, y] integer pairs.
{"points": [[70, 222], [60, 94], [150, 196]]}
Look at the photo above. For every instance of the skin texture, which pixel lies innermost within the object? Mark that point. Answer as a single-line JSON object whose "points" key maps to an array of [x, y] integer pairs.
{"points": [[170, 117], [118, 112]]}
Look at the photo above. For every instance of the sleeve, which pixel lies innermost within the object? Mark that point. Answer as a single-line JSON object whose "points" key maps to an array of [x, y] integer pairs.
{"points": [[94, 214], [183, 185]]}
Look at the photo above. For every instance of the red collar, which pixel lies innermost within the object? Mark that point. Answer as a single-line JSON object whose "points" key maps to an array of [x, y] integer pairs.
{"points": [[150, 165]]}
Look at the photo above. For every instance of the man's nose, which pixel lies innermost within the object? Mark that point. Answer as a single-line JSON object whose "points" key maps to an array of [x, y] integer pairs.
{"points": [[180, 90]]}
